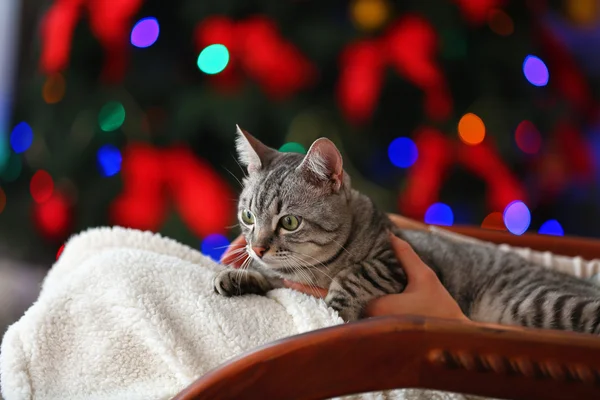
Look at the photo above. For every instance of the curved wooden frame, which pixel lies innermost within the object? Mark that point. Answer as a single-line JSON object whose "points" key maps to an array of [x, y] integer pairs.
{"points": [[418, 352]]}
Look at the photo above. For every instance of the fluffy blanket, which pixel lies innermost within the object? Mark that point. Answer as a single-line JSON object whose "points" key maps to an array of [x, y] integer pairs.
{"points": [[125, 314]]}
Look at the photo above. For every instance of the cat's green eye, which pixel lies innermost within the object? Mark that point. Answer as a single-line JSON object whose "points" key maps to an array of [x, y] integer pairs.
{"points": [[247, 217], [290, 222]]}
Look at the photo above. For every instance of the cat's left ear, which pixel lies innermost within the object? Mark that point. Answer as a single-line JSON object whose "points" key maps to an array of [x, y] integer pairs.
{"points": [[252, 153], [323, 163]]}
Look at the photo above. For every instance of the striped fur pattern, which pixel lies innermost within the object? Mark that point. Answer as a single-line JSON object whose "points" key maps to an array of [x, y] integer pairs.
{"points": [[342, 243]]}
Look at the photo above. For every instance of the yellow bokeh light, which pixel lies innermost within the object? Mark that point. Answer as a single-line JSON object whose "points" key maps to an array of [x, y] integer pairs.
{"points": [[369, 14], [54, 89], [471, 129], [584, 12]]}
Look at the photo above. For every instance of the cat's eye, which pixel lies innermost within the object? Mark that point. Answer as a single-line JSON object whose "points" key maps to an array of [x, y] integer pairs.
{"points": [[289, 222], [247, 217]]}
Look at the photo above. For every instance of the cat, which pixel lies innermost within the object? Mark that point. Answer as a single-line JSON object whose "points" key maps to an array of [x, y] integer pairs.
{"points": [[303, 222]]}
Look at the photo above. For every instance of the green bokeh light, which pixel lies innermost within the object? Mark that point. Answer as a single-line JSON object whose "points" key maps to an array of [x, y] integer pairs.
{"points": [[12, 168], [293, 147], [213, 59], [111, 116]]}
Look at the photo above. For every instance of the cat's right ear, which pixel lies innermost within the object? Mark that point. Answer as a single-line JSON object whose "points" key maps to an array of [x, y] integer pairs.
{"points": [[252, 153]]}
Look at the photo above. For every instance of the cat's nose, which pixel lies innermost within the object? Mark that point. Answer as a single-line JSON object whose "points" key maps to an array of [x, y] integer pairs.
{"points": [[260, 251]]}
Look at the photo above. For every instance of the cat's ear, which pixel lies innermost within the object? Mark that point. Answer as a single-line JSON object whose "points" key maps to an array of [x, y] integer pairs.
{"points": [[252, 153], [323, 163]]}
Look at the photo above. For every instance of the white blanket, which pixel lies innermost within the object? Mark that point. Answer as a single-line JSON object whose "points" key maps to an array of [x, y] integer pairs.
{"points": [[125, 314]]}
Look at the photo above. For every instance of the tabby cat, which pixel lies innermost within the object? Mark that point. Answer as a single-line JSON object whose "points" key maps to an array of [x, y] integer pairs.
{"points": [[303, 222]]}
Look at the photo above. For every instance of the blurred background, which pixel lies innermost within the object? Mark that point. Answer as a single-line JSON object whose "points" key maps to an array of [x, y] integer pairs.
{"points": [[479, 112]]}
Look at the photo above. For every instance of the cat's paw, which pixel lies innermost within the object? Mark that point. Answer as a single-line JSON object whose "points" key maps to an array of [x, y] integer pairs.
{"points": [[348, 309], [234, 282]]}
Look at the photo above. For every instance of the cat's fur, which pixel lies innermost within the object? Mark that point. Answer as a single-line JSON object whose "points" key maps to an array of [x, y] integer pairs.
{"points": [[343, 244]]}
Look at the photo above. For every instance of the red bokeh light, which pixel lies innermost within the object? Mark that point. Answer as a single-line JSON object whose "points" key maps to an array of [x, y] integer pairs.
{"points": [[528, 138], [53, 218], [41, 186]]}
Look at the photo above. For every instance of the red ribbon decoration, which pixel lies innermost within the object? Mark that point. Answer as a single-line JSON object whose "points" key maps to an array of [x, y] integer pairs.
{"points": [[437, 153], [152, 177], [110, 22], [256, 48], [410, 47]]}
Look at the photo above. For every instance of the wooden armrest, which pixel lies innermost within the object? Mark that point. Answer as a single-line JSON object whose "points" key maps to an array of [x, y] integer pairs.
{"points": [[571, 246], [412, 352]]}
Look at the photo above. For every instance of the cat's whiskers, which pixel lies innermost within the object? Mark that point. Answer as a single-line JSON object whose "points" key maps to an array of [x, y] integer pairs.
{"points": [[234, 177], [302, 272], [302, 264], [239, 165], [240, 273], [342, 246], [318, 262]]}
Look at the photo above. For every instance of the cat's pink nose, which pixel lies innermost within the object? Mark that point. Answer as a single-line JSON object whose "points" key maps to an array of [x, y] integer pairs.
{"points": [[260, 251]]}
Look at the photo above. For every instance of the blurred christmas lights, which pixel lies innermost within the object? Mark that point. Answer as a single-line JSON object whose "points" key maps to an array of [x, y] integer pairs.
{"points": [[109, 160], [500, 22], [54, 89], [517, 217], [111, 116], [41, 186], [213, 59], [494, 221], [527, 137], [2, 200], [535, 71], [551, 227], [21, 137], [403, 152], [583, 12], [214, 245], [145, 32], [369, 14], [471, 129], [292, 147], [439, 214]]}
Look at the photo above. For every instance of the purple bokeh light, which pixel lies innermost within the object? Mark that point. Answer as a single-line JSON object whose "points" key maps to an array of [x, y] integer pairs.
{"points": [[517, 217], [535, 71], [145, 32]]}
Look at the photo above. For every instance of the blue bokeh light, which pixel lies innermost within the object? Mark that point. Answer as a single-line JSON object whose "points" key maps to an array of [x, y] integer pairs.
{"points": [[517, 217], [439, 214], [21, 137], [214, 245], [145, 32], [403, 152], [551, 227], [535, 71], [109, 160], [213, 59]]}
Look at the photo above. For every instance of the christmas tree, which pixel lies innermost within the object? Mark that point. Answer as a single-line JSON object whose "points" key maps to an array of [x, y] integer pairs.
{"points": [[456, 112]]}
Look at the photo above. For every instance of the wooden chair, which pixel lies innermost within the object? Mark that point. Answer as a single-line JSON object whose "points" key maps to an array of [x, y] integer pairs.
{"points": [[418, 352]]}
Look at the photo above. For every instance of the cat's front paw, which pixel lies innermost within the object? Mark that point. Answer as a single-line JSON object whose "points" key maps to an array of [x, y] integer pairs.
{"points": [[235, 282], [347, 308]]}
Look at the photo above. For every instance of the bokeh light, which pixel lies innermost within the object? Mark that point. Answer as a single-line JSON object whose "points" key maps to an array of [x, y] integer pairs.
{"points": [[528, 138], [582, 12], [54, 89], [551, 227], [517, 217], [214, 245], [12, 168], [439, 214], [213, 59], [2, 200], [145, 32], [535, 71], [111, 116], [500, 22], [403, 152], [21, 137], [494, 221], [292, 147], [471, 129], [41, 186], [369, 14], [59, 252], [109, 160]]}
